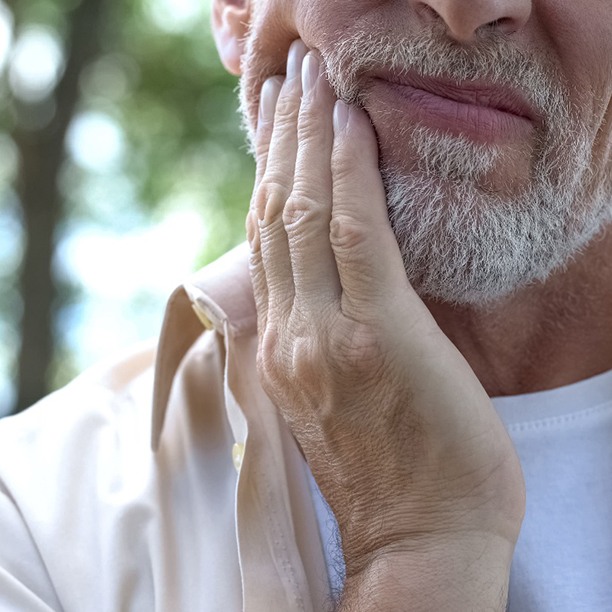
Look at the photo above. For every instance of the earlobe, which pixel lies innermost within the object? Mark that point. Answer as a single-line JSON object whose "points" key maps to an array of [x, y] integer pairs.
{"points": [[230, 21]]}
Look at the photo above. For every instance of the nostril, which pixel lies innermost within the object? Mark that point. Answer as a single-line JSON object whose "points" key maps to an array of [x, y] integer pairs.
{"points": [[504, 24], [465, 19]]}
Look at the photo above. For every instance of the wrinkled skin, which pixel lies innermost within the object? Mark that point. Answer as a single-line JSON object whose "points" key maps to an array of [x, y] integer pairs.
{"points": [[398, 431], [575, 37], [395, 419]]}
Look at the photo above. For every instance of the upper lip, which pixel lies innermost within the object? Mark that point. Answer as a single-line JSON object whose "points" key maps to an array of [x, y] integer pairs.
{"points": [[479, 93]]}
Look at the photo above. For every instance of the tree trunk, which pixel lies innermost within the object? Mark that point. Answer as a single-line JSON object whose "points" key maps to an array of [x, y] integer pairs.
{"points": [[41, 156]]}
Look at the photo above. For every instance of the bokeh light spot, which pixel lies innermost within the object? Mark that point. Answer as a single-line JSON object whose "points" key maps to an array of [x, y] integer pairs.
{"points": [[36, 64]]}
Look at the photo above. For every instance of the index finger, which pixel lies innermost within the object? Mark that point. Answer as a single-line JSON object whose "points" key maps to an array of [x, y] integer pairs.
{"points": [[370, 265]]}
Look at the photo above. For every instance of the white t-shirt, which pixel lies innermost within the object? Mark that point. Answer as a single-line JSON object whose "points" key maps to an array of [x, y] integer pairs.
{"points": [[563, 558]]}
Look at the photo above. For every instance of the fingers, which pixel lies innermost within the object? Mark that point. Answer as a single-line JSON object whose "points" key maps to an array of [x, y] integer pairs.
{"points": [[277, 145], [267, 106], [265, 122], [368, 260], [308, 211], [318, 223]]}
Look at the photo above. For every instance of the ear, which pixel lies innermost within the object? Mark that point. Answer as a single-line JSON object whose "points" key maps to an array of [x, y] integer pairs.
{"points": [[230, 21]]}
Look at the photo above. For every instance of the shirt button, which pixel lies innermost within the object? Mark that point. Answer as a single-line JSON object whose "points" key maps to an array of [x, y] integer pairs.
{"points": [[206, 322], [237, 455]]}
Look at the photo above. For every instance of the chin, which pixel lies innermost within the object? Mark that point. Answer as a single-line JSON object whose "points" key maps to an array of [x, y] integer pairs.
{"points": [[456, 160], [465, 244]]}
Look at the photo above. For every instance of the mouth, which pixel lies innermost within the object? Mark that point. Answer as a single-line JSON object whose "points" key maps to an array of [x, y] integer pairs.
{"points": [[478, 110]]}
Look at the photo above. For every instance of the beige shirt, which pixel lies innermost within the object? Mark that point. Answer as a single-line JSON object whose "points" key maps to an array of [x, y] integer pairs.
{"points": [[201, 504]]}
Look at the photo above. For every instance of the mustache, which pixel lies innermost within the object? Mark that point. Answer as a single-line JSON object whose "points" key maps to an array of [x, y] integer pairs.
{"points": [[493, 59]]}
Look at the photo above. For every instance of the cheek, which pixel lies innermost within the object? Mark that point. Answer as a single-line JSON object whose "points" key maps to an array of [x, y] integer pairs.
{"points": [[581, 35], [603, 147], [603, 141], [322, 23], [277, 23], [319, 22], [271, 32], [580, 32], [594, 82]]}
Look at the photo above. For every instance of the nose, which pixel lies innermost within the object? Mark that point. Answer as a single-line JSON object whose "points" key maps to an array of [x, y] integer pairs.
{"points": [[464, 19]]}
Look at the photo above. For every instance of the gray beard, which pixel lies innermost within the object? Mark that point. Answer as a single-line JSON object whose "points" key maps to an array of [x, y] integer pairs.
{"points": [[463, 245], [460, 242]]}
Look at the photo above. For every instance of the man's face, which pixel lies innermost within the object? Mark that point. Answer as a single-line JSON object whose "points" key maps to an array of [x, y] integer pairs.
{"points": [[495, 150]]}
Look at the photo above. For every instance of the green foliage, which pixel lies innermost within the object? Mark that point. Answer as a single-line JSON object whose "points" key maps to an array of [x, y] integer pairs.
{"points": [[177, 108], [157, 79]]}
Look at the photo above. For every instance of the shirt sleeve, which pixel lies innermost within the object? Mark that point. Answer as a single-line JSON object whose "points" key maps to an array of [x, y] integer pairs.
{"points": [[24, 581], [76, 486]]}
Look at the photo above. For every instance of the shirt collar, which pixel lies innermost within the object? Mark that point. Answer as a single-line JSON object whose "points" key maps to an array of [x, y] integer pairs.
{"points": [[219, 297]]}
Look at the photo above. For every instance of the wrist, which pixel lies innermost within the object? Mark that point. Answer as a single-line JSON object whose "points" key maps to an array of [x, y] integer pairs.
{"points": [[425, 528], [470, 572]]}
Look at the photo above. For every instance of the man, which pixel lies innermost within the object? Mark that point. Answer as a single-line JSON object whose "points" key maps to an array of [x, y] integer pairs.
{"points": [[427, 232]]}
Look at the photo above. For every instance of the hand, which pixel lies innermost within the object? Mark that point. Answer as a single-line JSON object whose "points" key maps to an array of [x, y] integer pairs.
{"points": [[400, 435]]}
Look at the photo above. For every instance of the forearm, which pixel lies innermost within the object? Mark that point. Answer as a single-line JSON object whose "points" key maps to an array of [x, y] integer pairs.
{"points": [[472, 575]]}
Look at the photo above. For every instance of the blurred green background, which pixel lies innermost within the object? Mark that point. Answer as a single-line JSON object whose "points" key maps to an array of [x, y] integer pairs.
{"points": [[122, 169]]}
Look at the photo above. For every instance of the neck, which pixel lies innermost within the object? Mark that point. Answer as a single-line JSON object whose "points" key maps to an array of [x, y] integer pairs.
{"points": [[545, 336]]}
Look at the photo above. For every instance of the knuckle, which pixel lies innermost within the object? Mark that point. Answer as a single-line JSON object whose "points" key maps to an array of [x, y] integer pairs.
{"points": [[262, 147], [309, 126], [306, 361], [268, 363], [258, 278], [347, 234], [291, 362], [287, 110], [299, 209], [344, 166], [358, 350], [270, 199]]}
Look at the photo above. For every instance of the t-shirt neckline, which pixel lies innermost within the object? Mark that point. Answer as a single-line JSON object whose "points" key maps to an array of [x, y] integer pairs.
{"points": [[576, 397]]}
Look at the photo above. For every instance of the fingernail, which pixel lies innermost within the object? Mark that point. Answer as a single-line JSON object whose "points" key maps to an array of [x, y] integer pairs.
{"points": [[297, 51], [310, 72], [268, 98], [341, 116]]}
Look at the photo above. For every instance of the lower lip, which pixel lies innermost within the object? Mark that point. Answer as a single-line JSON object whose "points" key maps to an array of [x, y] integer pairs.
{"points": [[479, 123]]}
